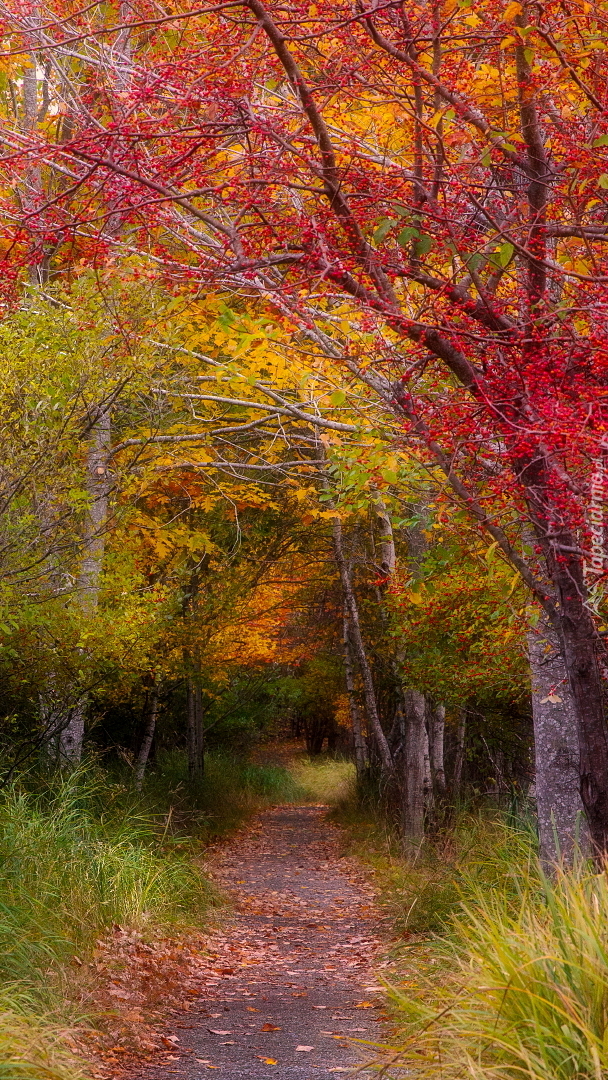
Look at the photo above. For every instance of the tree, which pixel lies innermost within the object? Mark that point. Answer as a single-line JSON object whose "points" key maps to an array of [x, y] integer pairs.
{"points": [[433, 176]]}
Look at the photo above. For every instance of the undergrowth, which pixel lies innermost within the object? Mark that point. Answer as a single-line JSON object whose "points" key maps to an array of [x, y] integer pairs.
{"points": [[231, 790], [497, 972], [83, 852]]}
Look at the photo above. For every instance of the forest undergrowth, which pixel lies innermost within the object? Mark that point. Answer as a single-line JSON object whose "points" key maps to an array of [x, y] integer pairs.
{"points": [[496, 971], [85, 864]]}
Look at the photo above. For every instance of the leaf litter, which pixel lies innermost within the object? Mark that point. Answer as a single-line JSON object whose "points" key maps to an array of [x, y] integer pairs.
{"points": [[303, 925]]}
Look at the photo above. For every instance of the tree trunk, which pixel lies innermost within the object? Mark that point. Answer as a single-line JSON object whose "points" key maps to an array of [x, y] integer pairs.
{"points": [[356, 637], [429, 794], [148, 736], [413, 780], [195, 730], [98, 489], [461, 734], [388, 557], [561, 820], [70, 735], [360, 747], [436, 726]]}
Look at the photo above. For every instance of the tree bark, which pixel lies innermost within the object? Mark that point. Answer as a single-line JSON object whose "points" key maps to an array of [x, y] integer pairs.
{"points": [[195, 730], [98, 489], [561, 819], [360, 747], [371, 704], [413, 786], [70, 735], [461, 734], [148, 736], [436, 727]]}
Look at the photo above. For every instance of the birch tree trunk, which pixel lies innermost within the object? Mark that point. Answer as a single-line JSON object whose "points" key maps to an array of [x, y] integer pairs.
{"points": [[147, 738], [356, 637], [360, 746], [562, 824], [413, 780], [70, 732], [436, 728], [195, 730], [461, 734]]}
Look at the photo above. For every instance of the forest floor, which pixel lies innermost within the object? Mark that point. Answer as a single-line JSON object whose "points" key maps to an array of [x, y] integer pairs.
{"points": [[286, 986]]}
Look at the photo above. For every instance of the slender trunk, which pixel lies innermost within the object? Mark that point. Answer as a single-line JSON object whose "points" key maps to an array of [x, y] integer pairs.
{"points": [[461, 734], [413, 787], [429, 794], [148, 736], [561, 821], [360, 747], [195, 730], [388, 557], [70, 735], [359, 646], [98, 489], [436, 724]]}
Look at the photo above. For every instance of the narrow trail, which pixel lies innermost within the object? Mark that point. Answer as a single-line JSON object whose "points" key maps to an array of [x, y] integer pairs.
{"points": [[290, 993]]}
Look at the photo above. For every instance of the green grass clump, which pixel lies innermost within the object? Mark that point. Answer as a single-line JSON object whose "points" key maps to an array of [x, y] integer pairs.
{"points": [[67, 872], [232, 790], [324, 780], [31, 1049], [521, 988], [75, 857]]}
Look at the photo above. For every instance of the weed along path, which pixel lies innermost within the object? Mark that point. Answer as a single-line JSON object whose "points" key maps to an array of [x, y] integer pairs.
{"points": [[289, 992]]}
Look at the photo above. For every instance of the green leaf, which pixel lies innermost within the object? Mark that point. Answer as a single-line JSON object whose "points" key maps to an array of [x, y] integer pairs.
{"points": [[389, 476], [338, 398], [603, 181], [424, 245], [383, 229], [602, 141], [406, 235], [505, 254], [474, 261]]}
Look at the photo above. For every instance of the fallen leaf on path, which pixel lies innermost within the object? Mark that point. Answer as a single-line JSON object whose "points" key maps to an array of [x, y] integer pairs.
{"points": [[365, 1005], [214, 1031], [269, 1027], [304, 1048], [267, 1061]]}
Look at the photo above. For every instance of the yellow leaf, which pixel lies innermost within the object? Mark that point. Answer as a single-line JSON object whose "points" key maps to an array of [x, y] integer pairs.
{"points": [[511, 11]]}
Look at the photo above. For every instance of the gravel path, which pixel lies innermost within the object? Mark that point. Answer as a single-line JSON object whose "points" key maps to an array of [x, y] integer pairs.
{"points": [[291, 994]]}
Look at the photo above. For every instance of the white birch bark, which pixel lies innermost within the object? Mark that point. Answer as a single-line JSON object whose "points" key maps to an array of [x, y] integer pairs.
{"points": [[360, 746], [413, 786], [371, 704], [70, 734], [147, 738]]}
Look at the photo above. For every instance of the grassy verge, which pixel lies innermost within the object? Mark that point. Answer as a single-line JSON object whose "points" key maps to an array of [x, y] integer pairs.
{"points": [[76, 857], [497, 973], [84, 853]]}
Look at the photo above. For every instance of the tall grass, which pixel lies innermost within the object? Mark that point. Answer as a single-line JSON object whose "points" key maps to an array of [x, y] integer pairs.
{"points": [[522, 991], [75, 858], [230, 792], [326, 780]]}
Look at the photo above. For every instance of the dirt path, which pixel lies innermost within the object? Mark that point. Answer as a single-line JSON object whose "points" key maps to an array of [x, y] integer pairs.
{"points": [[291, 988]]}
